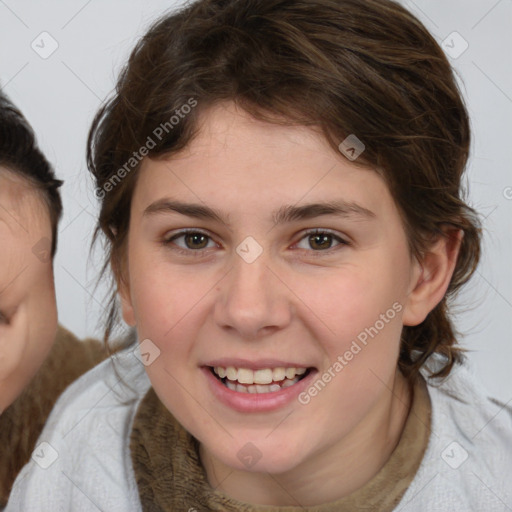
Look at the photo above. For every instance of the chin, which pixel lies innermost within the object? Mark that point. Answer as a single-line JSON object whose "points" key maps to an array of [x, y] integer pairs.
{"points": [[260, 456]]}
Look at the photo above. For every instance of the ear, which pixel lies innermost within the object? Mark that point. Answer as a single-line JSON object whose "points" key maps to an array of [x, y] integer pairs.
{"points": [[126, 305], [431, 276], [118, 264], [123, 289]]}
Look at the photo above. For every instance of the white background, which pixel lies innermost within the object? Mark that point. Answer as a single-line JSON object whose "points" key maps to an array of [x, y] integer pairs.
{"points": [[59, 95]]}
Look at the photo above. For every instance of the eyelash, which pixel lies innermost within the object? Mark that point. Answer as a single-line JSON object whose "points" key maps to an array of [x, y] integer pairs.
{"points": [[200, 252]]}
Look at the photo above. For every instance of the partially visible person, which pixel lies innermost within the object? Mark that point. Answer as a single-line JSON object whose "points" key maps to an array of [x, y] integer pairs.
{"points": [[38, 357]]}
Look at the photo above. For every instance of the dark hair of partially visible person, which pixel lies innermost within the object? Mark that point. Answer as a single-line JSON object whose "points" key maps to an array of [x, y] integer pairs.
{"points": [[20, 155], [363, 67]]}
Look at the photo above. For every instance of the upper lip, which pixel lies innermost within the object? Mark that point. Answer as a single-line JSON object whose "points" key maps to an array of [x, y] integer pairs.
{"points": [[255, 364]]}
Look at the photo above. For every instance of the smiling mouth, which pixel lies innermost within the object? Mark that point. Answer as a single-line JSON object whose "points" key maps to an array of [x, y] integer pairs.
{"points": [[267, 380]]}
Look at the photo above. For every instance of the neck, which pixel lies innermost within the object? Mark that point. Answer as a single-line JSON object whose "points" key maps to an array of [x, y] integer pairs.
{"points": [[331, 474]]}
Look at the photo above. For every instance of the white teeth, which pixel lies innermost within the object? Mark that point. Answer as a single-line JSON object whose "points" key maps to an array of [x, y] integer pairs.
{"points": [[245, 376], [290, 373], [245, 380], [287, 383], [260, 388], [231, 373], [263, 376], [278, 374]]}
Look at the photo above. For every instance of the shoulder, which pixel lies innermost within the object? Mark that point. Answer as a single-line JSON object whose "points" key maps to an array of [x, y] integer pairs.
{"points": [[468, 458], [463, 408], [22, 423], [82, 455]]}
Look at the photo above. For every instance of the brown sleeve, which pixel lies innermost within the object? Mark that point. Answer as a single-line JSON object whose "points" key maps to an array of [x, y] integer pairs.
{"points": [[23, 421]]}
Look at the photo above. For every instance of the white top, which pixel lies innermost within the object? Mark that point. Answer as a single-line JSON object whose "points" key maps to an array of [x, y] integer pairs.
{"points": [[82, 460]]}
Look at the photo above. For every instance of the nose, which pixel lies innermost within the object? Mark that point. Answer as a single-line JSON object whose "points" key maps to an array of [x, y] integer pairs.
{"points": [[253, 301]]}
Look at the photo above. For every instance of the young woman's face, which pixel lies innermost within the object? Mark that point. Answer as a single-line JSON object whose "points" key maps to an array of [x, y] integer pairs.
{"points": [[28, 314], [237, 258]]}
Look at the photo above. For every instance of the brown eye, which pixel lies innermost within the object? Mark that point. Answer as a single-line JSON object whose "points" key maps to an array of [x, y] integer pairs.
{"points": [[196, 240], [191, 241], [320, 241]]}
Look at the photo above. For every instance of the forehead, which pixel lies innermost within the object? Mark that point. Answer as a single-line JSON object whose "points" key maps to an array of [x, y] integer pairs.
{"points": [[24, 223], [227, 130], [236, 160], [20, 202]]}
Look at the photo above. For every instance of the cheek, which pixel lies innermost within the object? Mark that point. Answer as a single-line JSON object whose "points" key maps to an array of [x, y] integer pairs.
{"points": [[169, 308], [358, 327], [166, 301], [361, 352], [347, 303], [42, 308]]}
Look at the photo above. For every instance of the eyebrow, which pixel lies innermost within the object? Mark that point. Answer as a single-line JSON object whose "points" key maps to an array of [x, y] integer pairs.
{"points": [[285, 214]]}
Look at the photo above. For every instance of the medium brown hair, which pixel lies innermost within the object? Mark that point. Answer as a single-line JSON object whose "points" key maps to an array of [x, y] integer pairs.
{"points": [[20, 155], [363, 67]]}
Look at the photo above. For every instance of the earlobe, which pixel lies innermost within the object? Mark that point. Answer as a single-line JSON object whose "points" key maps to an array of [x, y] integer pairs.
{"points": [[120, 271], [126, 305], [123, 290], [432, 276]]}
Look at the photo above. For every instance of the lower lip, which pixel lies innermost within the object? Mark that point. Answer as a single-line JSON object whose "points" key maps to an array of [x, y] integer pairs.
{"points": [[256, 402]]}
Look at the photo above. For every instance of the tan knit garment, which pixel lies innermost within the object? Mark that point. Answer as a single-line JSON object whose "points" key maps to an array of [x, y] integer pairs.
{"points": [[170, 476], [23, 421]]}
